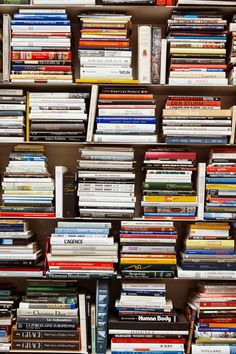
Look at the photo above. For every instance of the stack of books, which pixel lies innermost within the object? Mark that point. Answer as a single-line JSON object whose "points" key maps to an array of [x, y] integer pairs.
{"points": [[147, 249], [146, 320], [20, 254], [41, 46], [197, 48], [82, 249], [232, 58], [8, 304], [105, 53], [106, 182], [12, 115], [221, 184], [196, 120], [48, 318], [168, 190], [214, 305], [126, 115], [209, 250], [28, 189], [57, 116]]}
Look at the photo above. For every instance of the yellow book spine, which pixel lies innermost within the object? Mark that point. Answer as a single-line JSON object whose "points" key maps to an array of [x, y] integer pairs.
{"points": [[197, 50], [212, 225], [221, 186], [147, 261], [27, 125], [170, 199], [210, 244], [106, 81]]}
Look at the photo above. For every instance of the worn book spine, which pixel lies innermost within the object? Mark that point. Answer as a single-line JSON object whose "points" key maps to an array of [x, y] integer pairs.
{"points": [[156, 55], [69, 194]]}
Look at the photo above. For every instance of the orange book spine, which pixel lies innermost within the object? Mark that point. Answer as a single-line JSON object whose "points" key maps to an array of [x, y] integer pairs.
{"points": [[104, 44]]}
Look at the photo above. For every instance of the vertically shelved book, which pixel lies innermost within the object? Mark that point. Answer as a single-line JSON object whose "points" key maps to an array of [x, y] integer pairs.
{"points": [[57, 116], [41, 46], [28, 189], [232, 56], [197, 48], [147, 249], [106, 182], [105, 52]]}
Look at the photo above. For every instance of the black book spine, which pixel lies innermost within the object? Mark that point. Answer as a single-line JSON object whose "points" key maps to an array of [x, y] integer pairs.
{"points": [[148, 318], [69, 194], [52, 345], [44, 334], [47, 326]]}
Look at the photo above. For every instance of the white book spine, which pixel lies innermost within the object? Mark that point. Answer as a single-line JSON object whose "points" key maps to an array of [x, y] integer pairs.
{"points": [[6, 47], [81, 241], [144, 53], [163, 61], [59, 171]]}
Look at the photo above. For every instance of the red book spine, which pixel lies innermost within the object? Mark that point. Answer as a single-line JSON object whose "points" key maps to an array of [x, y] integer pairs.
{"points": [[218, 320], [164, 237], [149, 340], [161, 2], [86, 268], [55, 68], [193, 98], [15, 55], [218, 304], [193, 103], [170, 155], [81, 264], [220, 169], [26, 215], [209, 66], [170, 2], [42, 34]]}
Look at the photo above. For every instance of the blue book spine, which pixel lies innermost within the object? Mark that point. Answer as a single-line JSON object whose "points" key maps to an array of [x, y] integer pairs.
{"points": [[188, 140], [82, 231], [221, 180], [102, 305], [126, 121], [2, 334], [228, 329], [40, 22], [41, 16], [218, 216], [210, 252], [5, 292], [219, 266]]}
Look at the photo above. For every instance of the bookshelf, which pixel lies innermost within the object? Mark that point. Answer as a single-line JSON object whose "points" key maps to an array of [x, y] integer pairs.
{"points": [[67, 153]]}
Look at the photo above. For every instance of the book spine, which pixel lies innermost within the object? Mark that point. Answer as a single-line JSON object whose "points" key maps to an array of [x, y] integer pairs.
{"points": [[102, 304], [93, 329], [156, 55], [69, 194], [144, 53], [51, 345]]}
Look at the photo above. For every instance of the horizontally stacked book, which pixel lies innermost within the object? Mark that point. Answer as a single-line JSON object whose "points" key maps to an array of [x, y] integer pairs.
{"points": [[232, 57], [20, 254], [214, 306], [147, 249], [12, 115], [48, 317], [28, 189], [57, 116], [221, 184], [105, 52], [41, 46], [106, 182], [169, 190], [196, 120], [126, 115], [208, 252], [8, 304], [197, 48], [146, 320], [82, 250]]}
